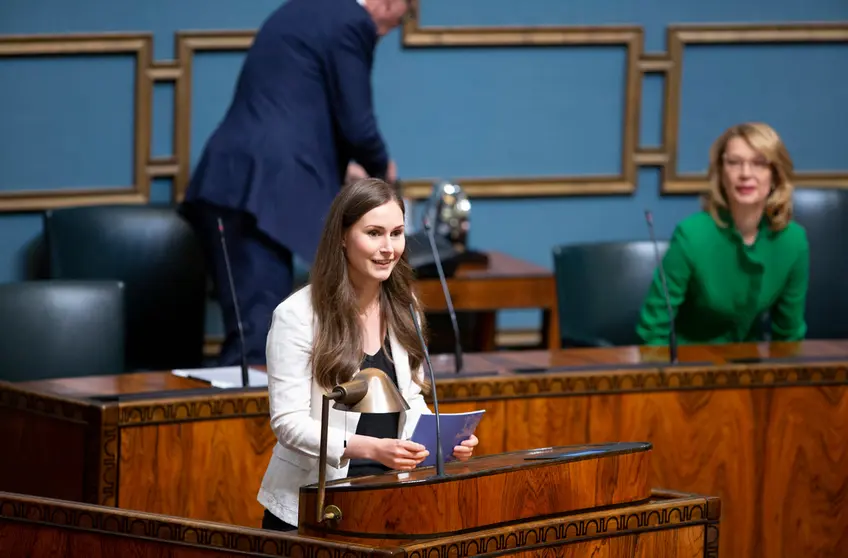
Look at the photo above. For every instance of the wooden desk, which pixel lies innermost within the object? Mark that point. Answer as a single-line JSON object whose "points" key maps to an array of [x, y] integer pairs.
{"points": [[669, 525], [770, 438], [505, 283]]}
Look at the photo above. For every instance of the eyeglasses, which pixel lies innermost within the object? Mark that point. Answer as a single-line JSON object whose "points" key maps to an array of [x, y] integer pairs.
{"points": [[737, 164]]}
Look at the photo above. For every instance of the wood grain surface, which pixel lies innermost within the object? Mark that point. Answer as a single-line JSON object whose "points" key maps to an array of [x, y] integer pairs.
{"points": [[501, 283], [29, 442], [763, 426], [135, 382], [678, 543], [208, 469], [480, 493], [777, 457], [670, 525]]}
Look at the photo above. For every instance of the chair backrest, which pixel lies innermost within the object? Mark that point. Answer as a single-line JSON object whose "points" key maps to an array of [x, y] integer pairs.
{"points": [[600, 290], [157, 256], [824, 214], [61, 329]]}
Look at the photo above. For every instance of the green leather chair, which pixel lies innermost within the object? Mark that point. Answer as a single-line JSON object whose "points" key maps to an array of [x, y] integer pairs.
{"points": [[600, 290], [824, 214], [61, 329], [155, 253]]}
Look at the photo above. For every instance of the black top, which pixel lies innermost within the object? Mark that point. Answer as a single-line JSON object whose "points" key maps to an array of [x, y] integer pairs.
{"points": [[374, 425]]}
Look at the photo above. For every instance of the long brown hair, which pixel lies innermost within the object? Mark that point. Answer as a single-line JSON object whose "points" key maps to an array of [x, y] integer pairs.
{"points": [[765, 140], [337, 350]]}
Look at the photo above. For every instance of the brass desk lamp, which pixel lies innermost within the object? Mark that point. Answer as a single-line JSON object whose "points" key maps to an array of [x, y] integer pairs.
{"points": [[370, 391]]}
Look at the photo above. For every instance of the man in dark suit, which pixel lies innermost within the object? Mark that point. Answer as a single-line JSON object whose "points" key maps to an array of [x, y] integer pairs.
{"points": [[300, 119]]}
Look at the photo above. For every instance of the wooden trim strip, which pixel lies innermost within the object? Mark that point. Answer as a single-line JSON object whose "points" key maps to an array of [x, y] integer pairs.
{"points": [[665, 512], [210, 404], [140, 45]]}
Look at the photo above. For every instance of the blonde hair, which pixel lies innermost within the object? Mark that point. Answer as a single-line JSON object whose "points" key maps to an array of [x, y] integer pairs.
{"points": [[763, 139]]}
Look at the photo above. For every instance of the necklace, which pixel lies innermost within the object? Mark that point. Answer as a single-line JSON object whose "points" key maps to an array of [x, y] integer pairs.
{"points": [[370, 309]]}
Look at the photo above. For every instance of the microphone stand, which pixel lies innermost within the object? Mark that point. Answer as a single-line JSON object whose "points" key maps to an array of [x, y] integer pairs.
{"points": [[457, 350], [672, 334], [245, 379], [440, 458]]}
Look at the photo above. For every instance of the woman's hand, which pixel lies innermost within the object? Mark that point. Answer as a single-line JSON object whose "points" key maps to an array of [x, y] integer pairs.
{"points": [[402, 455], [464, 450]]}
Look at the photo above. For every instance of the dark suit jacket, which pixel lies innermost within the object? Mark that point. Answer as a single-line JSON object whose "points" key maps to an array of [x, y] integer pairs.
{"points": [[302, 109]]}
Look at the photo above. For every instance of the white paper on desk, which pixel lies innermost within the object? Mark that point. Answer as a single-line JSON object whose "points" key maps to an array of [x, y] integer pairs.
{"points": [[225, 376]]}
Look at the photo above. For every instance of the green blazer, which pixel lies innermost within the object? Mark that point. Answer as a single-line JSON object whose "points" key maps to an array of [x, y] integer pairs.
{"points": [[719, 287]]}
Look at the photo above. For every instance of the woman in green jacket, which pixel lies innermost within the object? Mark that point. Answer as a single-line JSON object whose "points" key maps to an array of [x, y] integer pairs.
{"points": [[740, 257]]}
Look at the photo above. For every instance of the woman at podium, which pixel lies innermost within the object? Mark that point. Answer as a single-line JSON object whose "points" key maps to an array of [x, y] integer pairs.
{"points": [[354, 314], [740, 258]]}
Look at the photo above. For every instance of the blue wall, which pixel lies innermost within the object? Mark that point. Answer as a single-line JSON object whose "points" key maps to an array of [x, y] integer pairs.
{"points": [[67, 121]]}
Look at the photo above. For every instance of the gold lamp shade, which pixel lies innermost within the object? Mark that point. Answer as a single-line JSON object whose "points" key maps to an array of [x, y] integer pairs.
{"points": [[370, 391]]}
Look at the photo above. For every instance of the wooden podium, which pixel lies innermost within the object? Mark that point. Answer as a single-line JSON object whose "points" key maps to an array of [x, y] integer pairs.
{"points": [[482, 493], [577, 501], [536, 498]]}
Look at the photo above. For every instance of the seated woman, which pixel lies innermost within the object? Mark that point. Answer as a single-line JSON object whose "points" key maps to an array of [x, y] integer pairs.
{"points": [[354, 314], [741, 257]]}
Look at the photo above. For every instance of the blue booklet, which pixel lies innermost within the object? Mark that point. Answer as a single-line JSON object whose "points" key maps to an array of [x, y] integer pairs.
{"points": [[455, 427]]}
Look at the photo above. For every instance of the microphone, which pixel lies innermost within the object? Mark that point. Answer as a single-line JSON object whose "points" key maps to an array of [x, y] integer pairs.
{"points": [[457, 350], [440, 458], [245, 381], [672, 334]]}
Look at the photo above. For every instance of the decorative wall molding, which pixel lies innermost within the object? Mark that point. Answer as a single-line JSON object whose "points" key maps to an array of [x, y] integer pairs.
{"points": [[628, 36], [187, 44], [669, 64], [681, 35], [631, 38], [140, 45]]}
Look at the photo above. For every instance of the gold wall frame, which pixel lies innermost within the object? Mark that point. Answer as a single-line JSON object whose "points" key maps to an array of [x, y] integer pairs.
{"points": [[631, 38], [628, 36], [678, 36], [139, 45], [187, 44], [669, 64]]}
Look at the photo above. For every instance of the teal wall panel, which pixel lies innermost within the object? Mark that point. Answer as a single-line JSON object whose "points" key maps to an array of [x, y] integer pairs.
{"points": [[446, 112]]}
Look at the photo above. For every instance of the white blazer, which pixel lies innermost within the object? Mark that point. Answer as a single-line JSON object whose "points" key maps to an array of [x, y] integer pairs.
{"points": [[295, 407]]}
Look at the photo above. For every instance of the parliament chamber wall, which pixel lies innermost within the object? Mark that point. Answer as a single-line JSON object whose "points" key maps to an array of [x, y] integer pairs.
{"points": [[564, 130]]}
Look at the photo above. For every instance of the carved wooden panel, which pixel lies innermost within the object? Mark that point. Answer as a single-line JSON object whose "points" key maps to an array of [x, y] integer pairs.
{"points": [[777, 457], [671, 524]]}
